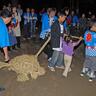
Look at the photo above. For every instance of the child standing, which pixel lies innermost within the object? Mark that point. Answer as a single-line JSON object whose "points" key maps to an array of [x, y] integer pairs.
{"points": [[90, 59], [68, 48]]}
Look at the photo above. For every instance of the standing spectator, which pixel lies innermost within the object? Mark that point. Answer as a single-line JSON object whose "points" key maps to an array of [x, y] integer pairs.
{"points": [[4, 37], [33, 20], [26, 17], [47, 21], [83, 23], [17, 27], [19, 10]]}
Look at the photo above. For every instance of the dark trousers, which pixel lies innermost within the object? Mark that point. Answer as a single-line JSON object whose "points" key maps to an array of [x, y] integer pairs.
{"points": [[48, 49], [27, 30], [18, 42]]}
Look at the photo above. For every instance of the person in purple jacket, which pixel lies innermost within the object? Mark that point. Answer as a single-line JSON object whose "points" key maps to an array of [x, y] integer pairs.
{"points": [[68, 50]]}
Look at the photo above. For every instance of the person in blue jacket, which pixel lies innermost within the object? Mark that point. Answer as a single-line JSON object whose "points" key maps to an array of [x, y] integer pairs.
{"points": [[5, 18], [33, 20], [74, 24], [75, 19], [26, 17], [89, 67], [47, 21]]}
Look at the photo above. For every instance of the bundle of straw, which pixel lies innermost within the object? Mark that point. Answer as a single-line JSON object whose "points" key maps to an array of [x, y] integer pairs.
{"points": [[24, 66]]}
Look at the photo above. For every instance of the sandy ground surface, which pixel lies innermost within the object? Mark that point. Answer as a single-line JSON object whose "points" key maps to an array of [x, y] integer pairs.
{"points": [[52, 83]]}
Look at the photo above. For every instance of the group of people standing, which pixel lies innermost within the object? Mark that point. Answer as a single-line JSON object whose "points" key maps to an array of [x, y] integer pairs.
{"points": [[60, 25], [60, 50]]}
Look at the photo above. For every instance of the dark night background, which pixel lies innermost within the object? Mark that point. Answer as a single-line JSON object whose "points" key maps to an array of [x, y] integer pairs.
{"points": [[83, 5]]}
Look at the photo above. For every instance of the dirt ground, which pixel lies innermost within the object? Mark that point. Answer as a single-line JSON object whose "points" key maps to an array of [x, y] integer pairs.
{"points": [[52, 83]]}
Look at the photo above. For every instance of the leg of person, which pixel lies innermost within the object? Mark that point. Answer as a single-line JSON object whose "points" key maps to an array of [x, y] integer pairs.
{"points": [[5, 49], [67, 60], [2, 89], [84, 70], [28, 30], [60, 61], [53, 61], [92, 68], [25, 31], [31, 35], [48, 51], [18, 42], [86, 65], [34, 28], [91, 76]]}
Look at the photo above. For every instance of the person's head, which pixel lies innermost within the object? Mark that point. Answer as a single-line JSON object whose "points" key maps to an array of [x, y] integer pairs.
{"points": [[19, 6], [14, 9], [68, 39], [66, 10], [52, 12], [9, 5], [27, 10], [93, 26], [48, 10], [6, 15], [32, 10], [72, 12], [83, 15], [4, 7], [89, 13], [61, 17], [93, 16]]}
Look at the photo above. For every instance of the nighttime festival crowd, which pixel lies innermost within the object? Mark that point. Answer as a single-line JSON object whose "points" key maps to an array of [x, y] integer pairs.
{"points": [[61, 25]]}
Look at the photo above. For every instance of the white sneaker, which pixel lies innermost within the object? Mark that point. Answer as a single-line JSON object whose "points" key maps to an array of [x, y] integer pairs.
{"points": [[49, 59], [65, 75], [82, 74], [90, 79], [60, 67], [70, 70], [51, 69]]}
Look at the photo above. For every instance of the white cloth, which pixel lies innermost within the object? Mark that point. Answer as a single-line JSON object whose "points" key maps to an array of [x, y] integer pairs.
{"points": [[62, 30], [17, 28]]}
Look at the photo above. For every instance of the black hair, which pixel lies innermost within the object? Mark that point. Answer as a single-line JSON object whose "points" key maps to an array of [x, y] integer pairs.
{"points": [[67, 39], [65, 9], [93, 23], [61, 13], [5, 13]]}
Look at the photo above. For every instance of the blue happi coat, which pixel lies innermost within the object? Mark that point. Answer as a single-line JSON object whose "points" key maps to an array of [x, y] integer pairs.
{"points": [[4, 36], [26, 17], [90, 38], [75, 20], [90, 41], [45, 25], [33, 20]]}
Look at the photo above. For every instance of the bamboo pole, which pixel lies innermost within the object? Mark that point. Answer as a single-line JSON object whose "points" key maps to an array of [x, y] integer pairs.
{"points": [[75, 37], [44, 45]]}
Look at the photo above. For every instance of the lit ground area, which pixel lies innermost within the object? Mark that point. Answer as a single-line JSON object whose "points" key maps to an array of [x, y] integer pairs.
{"points": [[52, 83]]}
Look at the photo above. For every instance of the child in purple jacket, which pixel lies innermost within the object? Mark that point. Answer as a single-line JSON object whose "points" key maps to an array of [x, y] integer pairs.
{"points": [[68, 48]]}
